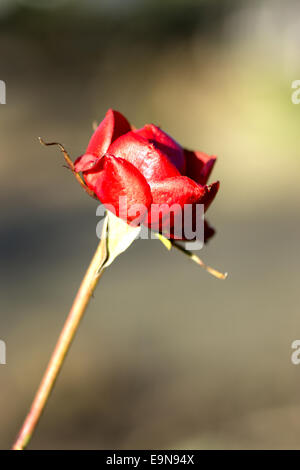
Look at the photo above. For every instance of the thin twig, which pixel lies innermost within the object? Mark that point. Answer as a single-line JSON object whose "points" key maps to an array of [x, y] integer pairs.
{"points": [[198, 261], [70, 165]]}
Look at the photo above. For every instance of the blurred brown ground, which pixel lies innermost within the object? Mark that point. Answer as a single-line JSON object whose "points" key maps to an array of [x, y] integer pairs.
{"points": [[167, 356]]}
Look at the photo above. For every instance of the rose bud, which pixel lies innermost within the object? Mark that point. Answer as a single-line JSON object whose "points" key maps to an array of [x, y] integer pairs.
{"points": [[148, 168]]}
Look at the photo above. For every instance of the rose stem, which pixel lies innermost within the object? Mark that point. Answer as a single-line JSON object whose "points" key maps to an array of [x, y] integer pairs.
{"points": [[80, 303]]}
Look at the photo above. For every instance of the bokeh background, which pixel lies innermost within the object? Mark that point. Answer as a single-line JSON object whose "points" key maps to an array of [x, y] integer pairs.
{"points": [[167, 356]]}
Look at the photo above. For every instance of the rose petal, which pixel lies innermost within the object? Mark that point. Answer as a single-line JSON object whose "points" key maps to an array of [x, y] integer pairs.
{"points": [[176, 191], [113, 126], [85, 162], [209, 232], [120, 179], [151, 162], [199, 165], [163, 142], [209, 195]]}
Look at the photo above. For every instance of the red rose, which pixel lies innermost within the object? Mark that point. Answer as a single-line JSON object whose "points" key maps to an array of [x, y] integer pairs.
{"points": [[147, 167]]}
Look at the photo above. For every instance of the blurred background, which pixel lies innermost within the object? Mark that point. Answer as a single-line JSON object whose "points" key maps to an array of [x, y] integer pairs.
{"points": [[167, 356]]}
